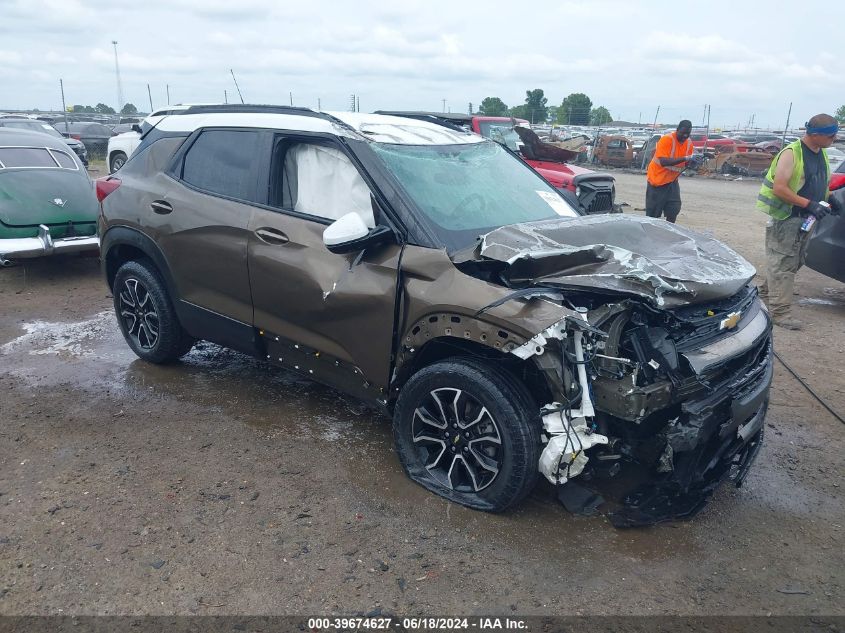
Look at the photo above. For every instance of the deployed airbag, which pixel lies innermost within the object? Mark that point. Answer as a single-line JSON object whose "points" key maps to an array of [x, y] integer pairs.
{"points": [[327, 184]]}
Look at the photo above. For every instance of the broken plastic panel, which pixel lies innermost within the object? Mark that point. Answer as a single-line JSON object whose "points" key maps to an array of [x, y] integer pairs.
{"points": [[564, 456]]}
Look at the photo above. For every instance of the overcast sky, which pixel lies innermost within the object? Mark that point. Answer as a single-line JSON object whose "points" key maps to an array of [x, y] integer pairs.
{"points": [[743, 58]]}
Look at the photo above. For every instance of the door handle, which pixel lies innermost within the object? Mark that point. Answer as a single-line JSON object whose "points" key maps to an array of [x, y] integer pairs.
{"points": [[161, 207], [271, 236]]}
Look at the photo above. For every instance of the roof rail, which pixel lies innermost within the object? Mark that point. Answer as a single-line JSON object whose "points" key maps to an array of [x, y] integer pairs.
{"points": [[252, 108]]}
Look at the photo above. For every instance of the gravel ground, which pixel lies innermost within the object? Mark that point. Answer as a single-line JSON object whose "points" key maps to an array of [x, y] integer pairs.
{"points": [[223, 486]]}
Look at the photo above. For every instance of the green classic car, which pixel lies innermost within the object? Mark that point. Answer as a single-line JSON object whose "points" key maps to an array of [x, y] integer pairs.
{"points": [[47, 201]]}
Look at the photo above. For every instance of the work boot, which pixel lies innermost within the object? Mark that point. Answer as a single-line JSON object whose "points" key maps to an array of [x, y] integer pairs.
{"points": [[787, 322]]}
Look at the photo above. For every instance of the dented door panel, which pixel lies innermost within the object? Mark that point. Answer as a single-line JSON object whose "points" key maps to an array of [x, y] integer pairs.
{"points": [[333, 304]]}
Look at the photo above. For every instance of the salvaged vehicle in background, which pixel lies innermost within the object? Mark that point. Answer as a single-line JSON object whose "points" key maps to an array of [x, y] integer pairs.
{"points": [[616, 151], [837, 178], [717, 143], [431, 273], [590, 191], [751, 162], [45, 128], [47, 202], [123, 143], [95, 136]]}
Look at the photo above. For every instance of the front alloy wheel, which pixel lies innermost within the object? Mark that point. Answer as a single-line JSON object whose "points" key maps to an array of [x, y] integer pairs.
{"points": [[469, 431], [458, 440]]}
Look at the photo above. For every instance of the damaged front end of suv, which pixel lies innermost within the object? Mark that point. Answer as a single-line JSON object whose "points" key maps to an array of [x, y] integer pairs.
{"points": [[433, 274], [660, 365]]}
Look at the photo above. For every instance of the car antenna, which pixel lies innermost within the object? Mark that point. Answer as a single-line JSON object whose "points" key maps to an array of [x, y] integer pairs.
{"points": [[236, 85]]}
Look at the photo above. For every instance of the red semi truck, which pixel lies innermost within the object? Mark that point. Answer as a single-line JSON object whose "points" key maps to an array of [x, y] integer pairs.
{"points": [[592, 192]]}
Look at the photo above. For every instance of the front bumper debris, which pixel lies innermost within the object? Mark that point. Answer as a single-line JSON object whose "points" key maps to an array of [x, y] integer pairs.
{"points": [[44, 244], [715, 438]]}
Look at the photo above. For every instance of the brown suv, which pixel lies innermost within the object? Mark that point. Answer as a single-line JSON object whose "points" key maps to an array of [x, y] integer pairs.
{"points": [[433, 274]]}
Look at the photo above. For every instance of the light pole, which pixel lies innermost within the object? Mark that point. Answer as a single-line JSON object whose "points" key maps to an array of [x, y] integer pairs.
{"points": [[120, 103]]}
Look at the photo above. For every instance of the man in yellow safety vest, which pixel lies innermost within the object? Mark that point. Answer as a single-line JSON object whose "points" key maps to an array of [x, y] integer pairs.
{"points": [[794, 188]]}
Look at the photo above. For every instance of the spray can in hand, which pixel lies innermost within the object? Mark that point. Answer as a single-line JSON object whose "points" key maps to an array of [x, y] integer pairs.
{"points": [[810, 221]]}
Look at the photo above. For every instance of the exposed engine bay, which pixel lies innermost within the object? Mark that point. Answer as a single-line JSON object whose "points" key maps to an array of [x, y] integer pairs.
{"points": [[663, 366]]}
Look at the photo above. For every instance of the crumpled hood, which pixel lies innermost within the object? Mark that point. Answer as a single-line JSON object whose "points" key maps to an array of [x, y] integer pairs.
{"points": [[667, 264]]}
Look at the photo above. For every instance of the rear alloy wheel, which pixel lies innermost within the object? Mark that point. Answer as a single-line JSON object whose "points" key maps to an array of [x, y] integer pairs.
{"points": [[118, 160], [146, 315], [139, 314], [469, 432]]}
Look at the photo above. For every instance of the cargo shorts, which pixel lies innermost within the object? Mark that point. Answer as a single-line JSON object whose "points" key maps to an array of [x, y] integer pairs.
{"points": [[663, 200]]}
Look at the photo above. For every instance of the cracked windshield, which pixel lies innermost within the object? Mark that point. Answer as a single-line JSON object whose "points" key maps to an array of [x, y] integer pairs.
{"points": [[471, 187]]}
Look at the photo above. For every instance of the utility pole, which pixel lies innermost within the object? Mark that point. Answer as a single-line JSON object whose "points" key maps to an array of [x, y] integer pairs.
{"points": [[786, 127], [168, 94], [225, 96], [150, 95], [291, 98], [120, 102], [469, 110], [357, 103], [444, 104], [319, 109], [352, 103]]}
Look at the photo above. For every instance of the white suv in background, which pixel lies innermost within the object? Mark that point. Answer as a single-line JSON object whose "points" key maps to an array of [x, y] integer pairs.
{"points": [[121, 146]]}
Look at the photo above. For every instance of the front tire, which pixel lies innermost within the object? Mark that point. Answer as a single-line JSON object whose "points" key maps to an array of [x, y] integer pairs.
{"points": [[470, 432], [146, 315]]}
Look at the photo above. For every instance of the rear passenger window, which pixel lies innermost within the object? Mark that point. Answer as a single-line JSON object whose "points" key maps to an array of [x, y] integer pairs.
{"points": [[26, 157], [64, 160], [224, 162]]}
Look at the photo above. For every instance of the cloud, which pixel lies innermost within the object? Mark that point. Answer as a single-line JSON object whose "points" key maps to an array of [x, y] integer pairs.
{"points": [[412, 54]]}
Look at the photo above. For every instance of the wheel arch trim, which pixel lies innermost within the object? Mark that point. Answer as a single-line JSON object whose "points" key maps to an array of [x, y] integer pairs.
{"points": [[463, 334], [123, 236]]}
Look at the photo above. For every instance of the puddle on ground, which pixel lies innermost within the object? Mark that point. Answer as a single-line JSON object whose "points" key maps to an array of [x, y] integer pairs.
{"points": [[61, 339], [812, 301], [92, 355]]}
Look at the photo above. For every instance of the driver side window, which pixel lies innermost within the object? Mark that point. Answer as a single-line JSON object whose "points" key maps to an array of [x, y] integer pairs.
{"points": [[319, 181]]}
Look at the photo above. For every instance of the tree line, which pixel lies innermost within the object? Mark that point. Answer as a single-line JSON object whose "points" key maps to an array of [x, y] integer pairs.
{"points": [[576, 109], [102, 108]]}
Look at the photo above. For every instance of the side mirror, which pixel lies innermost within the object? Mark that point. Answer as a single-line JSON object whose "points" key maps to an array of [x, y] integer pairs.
{"points": [[136, 128], [349, 234]]}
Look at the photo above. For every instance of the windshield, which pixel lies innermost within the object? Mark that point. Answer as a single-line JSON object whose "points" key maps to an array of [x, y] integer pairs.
{"points": [[468, 190], [501, 132], [35, 126]]}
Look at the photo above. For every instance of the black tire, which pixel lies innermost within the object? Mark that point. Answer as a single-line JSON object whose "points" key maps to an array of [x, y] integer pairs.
{"points": [[511, 411], [146, 315], [117, 160]]}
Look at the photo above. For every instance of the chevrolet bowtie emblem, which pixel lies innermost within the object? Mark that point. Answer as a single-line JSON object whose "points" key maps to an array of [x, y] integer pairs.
{"points": [[729, 322], [58, 202]]}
